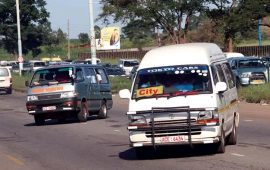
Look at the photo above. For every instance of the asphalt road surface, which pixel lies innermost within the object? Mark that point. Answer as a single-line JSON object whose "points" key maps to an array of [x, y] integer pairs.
{"points": [[103, 144]]}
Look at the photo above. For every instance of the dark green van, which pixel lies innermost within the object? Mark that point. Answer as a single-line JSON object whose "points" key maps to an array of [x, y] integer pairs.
{"points": [[60, 91]]}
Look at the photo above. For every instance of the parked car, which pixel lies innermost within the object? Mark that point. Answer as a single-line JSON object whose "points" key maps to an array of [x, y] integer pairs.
{"points": [[128, 64], [233, 54], [37, 65], [5, 80], [60, 91], [248, 70], [113, 70]]}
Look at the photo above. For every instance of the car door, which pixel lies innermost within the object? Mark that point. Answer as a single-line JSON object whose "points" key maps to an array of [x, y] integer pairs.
{"points": [[93, 89]]}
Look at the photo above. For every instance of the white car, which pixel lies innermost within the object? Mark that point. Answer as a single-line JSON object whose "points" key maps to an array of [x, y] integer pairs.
{"points": [[128, 64], [5, 80]]}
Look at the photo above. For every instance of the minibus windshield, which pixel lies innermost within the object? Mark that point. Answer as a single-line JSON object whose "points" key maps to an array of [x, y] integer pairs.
{"points": [[52, 76], [172, 81]]}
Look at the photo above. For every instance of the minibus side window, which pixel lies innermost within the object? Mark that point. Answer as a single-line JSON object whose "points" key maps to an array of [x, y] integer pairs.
{"points": [[90, 75], [79, 74], [104, 79], [229, 74], [220, 73], [214, 73]]}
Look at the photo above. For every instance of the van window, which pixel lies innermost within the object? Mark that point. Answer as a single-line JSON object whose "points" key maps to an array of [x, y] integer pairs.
{"points": [[90, 75], [130, 63], [3, 72], [79, 74], [230, 77], [220, 73], [214, 73], [172, 81], [101, 72]]}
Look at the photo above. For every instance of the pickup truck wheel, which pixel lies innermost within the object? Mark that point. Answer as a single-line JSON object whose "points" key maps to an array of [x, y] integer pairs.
{"points": [[233, 136], [103, 112], [83, 114], [39, 119], [220, 147]]}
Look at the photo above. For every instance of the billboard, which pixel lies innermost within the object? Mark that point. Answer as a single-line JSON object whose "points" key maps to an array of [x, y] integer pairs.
{"points": [[110, 39]]}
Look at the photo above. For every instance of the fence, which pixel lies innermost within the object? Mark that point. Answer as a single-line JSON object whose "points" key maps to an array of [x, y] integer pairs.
{"points": [[247, 51]]}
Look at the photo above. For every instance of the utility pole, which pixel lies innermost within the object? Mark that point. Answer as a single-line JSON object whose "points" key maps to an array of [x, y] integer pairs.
{"points": [[260, 32], [68, 40], [92, 34], [20, 58]]}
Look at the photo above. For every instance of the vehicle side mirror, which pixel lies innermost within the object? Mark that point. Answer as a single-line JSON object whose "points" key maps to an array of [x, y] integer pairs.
{"points": [[221, 87], [124, 94], [26, 83]]}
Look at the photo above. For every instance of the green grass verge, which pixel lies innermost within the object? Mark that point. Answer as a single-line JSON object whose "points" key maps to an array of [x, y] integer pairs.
{"points": [[117, 83], [255, 93]]}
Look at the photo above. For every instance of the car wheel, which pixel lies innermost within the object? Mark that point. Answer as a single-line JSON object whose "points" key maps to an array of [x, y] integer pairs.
{"points": [[103, 112], [9, 90], [83, 114], [39, 119], [220, 147], [233, 136]]}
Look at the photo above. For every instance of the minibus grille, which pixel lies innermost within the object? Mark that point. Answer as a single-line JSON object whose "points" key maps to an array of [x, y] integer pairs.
{"points": [[49, 97]]}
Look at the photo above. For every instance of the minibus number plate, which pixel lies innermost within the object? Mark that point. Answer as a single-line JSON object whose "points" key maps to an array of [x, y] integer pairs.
{"points": [[171, 139], [49, 108]]}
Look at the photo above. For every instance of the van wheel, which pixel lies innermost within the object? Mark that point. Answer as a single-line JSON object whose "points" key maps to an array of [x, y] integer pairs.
{"points": [[9, 90], [39, 120], [220, 146], [103, 112], [233, 136], [83, 114]]}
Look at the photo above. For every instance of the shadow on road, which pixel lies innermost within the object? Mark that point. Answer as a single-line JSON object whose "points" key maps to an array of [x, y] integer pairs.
{"points": [[167, 152], [50, 122]]}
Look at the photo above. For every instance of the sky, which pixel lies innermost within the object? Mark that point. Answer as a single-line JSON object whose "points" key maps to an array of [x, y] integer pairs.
{"points": [[76, 11]]}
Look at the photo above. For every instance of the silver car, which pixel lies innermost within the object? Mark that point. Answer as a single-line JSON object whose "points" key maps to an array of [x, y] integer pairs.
{"points": [[248, 70]]}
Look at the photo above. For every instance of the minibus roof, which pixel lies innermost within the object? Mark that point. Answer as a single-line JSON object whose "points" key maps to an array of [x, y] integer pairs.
{"points": [[182, 54]]}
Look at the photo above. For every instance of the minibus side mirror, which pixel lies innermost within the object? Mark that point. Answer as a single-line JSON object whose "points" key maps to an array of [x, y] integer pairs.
{"points": [[124, 94], [26, 83], [221, 87]]}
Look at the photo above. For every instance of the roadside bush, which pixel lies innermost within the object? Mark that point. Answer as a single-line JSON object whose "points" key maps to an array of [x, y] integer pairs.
{"points": [[255, 93], [119, 83]]}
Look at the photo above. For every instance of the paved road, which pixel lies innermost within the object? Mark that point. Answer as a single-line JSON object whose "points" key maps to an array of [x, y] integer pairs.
{"points": [[103, 144]]}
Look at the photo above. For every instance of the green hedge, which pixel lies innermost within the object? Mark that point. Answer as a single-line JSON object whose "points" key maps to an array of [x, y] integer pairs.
{"points": [[255, 93]]}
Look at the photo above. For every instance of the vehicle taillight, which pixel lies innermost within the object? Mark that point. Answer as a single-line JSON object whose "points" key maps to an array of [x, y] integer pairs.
{"points": [[30, 106]]}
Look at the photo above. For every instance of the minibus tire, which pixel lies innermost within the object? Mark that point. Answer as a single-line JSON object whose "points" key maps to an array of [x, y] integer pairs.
{"points": [[233, 136], [9, 90], [103, 112], [39, 120], [83, 114], [221, 144]]}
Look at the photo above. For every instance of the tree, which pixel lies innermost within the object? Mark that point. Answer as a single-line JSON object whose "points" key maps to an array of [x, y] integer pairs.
{"points": [[61, 36], [172, 16], [236, 17], [97, 31], [34, 25], [84, 38]]}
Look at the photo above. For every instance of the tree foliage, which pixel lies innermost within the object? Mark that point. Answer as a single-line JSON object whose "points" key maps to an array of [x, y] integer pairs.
{"points": [[171, 16], [34, 25], [84, 38]]}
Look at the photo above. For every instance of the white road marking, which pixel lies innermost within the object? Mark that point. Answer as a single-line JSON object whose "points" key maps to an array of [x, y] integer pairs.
{"points": [[116, 130], [236, 154], [248, 120]]}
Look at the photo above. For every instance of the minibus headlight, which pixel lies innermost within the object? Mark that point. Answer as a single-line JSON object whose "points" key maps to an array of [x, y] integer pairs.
{"points": [[205, 115], [32, 98], [68, 94], [137, 120]]}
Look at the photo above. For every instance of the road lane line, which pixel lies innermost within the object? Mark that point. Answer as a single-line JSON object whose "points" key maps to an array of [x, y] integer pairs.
{"points": [[17, 161], [236, 154], [248, 120]]}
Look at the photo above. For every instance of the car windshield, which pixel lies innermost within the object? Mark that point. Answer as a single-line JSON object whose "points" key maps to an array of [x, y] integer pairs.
{"points": [[172, 81], [52, 76], [130, 63], [251, 63], [3, 72]]}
